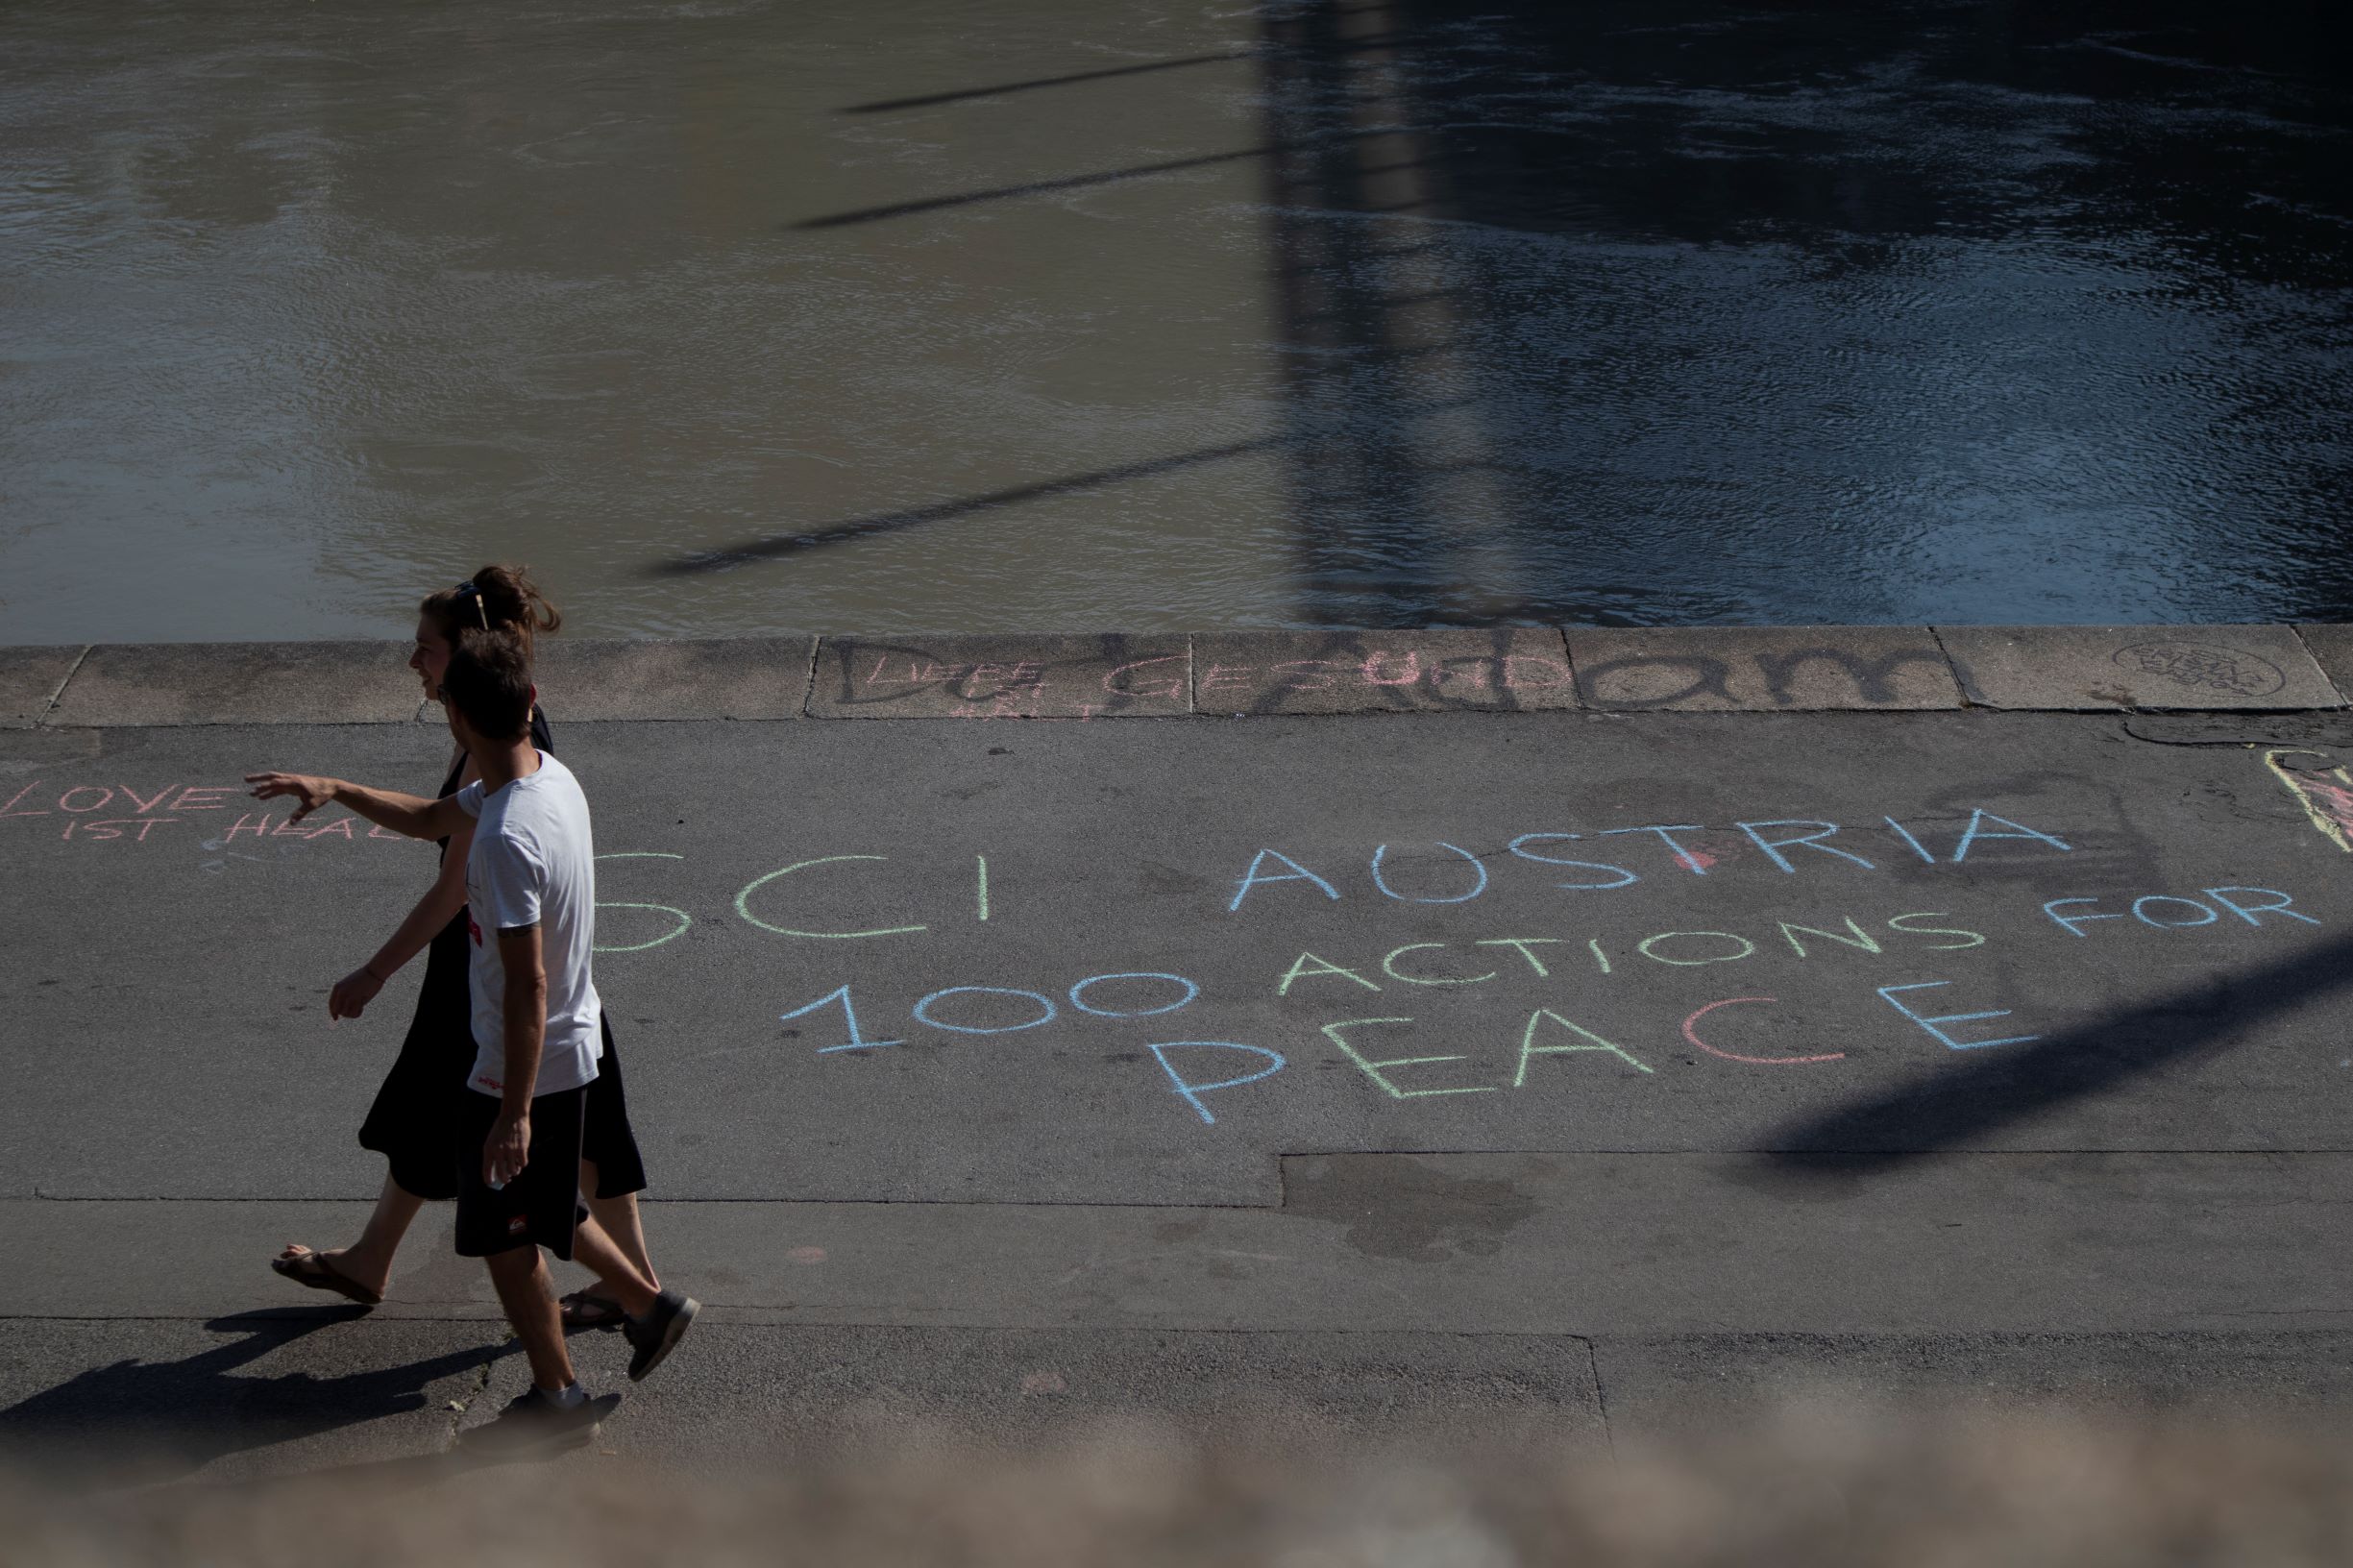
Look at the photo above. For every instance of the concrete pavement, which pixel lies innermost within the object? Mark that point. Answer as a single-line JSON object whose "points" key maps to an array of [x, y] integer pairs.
{"points": [[1587, 1045]]}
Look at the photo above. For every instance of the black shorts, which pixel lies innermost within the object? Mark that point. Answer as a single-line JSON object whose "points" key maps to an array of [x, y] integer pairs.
{"points": [[542, 1205]]}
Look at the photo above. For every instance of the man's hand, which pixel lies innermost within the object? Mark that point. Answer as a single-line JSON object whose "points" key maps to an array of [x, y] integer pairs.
{"points": [[312, 791], [508, 1148], [353, 993]]}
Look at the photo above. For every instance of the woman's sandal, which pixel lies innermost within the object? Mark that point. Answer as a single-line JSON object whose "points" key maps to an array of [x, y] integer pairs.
{"points": [[303, 1266], [587, 1310]]}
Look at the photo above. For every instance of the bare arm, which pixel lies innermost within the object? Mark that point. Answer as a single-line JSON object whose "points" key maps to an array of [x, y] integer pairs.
{"points": [[413, 815], [438, 907], [525, 1014]]}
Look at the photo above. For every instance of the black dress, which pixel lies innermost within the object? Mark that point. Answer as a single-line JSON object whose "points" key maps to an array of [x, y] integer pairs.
{"points": [[413, 1123]]}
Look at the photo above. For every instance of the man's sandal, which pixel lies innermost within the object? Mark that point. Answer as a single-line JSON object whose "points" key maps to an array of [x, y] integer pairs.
{"points": [[587, 1310], [303, 1266]]}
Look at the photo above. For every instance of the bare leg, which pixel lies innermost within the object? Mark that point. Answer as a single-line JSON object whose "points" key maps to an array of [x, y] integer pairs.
{"points": [[368, 1261], [618, 1215], [522, 1282], [599, 1254]]}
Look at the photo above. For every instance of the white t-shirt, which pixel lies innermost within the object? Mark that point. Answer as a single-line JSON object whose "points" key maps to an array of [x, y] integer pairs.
{"points": [[533, 862]]}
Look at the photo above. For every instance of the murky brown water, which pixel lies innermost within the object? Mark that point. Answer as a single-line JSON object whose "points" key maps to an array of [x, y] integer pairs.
{"points": [[1085, 314]]}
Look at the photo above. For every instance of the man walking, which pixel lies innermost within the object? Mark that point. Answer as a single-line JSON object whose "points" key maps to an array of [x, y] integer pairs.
{"points": [[531, 897]]}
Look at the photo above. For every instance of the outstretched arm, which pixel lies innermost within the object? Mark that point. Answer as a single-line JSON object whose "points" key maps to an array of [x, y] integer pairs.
{"points": [[411, 814]]}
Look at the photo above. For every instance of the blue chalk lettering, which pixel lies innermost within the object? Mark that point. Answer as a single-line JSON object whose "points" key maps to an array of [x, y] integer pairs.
{"points": [[1193, 1092], [1666, 835], [2140, 911], [2072, 923], [1975, 830], [1380, 852], [1773, 848], [1080, 1002], [1905, 834], [1887, 993], [1296, 873], [924, 1015], [857, 1041], [2248, 912], [1625, 877]]}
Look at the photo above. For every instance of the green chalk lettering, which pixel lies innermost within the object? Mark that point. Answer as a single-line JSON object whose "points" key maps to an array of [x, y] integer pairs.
{"points": [[1529, 1049], [1974, 940], [1377, 1071], [1299, 970], [1523, 943], [1861, 939]]}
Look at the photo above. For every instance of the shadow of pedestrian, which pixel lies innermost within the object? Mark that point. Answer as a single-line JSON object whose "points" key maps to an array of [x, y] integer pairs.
{"points": [[135, 1422]]}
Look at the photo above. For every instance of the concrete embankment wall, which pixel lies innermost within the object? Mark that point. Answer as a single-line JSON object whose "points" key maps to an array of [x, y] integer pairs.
{"points": [[1784, 669]]}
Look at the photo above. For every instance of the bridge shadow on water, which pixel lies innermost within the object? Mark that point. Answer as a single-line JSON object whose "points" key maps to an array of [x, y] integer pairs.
{"points": [[1602, 314], [1957, 1107]]}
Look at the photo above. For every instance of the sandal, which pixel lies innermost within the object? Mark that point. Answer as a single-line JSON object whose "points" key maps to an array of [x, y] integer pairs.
{"points": [[303, 1266], [587, 1310]]}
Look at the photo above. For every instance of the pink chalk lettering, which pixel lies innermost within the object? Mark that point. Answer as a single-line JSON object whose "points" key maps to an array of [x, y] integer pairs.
{"points": [[1321, 682], [385, 833], [1027, 674], [113, 827], [341, 825], [1170, 686], [9, 810], [105, 794], [247, 824], [1471, 672], [198, 799], [1371, 670], [1514, 681], [1691, 1033], [289, 827], [146, 806], [1218, 676]]}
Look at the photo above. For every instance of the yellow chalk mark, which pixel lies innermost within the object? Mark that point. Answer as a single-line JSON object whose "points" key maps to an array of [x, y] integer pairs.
{"points": [[2330, 806]]}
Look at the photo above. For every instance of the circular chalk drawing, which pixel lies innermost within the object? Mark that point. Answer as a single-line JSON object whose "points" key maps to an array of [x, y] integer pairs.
{"points": [[2204, 667]]}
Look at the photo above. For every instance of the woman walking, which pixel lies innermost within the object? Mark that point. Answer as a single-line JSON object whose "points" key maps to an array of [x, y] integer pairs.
{"points": [[413, 1123]]}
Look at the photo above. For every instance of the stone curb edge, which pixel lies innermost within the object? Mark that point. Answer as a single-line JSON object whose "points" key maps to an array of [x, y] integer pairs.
{"points": [[2248, 669]]}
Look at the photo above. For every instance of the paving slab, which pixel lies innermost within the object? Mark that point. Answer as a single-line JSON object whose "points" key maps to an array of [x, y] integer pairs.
{"points": [[736, 1396], [969, 676], [1773, 669], [1381, 671], [622, 678], [1676, 1390], [30, 677], [1488, 1243], [136, 684], [2332, 649], [2092, 667], [154, 1401], [1190, 883]]}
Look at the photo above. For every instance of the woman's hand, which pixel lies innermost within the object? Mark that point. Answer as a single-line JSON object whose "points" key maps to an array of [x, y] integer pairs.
{"points": [[353, 993]]}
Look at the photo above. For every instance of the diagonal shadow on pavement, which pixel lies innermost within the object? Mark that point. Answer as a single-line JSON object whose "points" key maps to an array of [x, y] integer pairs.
{"points": [[1953, 1107]]}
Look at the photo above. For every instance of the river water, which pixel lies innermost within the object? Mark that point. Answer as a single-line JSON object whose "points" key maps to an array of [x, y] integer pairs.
{"points": [[1074, 314]]}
